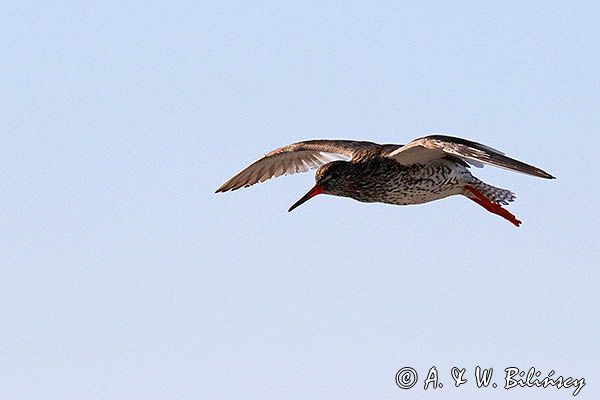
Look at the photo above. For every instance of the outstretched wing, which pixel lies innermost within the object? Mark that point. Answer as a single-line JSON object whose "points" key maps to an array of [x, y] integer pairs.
{"points": [[439, 146], [294, 158]]}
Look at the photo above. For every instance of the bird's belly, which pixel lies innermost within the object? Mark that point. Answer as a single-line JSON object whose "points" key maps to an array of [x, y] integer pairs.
{"points": [[419, 195], [417, 184]]}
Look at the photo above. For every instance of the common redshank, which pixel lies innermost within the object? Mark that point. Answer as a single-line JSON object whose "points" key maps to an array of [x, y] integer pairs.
{"points": [[426, 169]]}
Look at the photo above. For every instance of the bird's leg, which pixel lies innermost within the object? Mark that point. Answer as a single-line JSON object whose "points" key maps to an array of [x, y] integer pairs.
{"points": [[491, 206]]}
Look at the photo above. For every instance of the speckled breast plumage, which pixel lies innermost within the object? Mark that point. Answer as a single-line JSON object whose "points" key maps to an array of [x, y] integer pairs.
{"points": [[383, 180]]}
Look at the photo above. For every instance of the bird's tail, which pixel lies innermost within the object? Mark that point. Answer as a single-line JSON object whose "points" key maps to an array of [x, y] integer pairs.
{"points": [[491, 198], [493, 193]]}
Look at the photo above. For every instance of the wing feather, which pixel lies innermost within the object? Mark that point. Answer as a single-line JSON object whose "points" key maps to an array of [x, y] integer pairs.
{"points": [[295, 158], [439, 146]]}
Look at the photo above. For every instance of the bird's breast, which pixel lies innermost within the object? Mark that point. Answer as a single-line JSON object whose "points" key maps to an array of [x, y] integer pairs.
{"points": [[387, 181]]}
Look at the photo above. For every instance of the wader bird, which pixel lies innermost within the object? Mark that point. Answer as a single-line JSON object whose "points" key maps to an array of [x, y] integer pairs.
{"points": [[426, 169]]}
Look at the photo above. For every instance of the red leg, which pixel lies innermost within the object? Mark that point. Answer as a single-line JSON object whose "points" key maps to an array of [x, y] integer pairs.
{"points": [[491, 206]]}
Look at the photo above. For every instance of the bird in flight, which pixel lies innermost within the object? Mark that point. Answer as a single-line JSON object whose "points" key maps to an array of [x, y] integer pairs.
{"points": [[423, 170]]}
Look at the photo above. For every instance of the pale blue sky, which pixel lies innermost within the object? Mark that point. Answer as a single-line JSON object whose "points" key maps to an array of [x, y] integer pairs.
{"points": [[125, 277]]}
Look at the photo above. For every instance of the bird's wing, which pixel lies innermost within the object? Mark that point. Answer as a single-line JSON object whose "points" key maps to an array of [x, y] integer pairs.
{"points": [[294, 158], [439, 146]]}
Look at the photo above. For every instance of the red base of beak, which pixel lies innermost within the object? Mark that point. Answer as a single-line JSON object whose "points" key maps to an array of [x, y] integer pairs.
{"points": [[311, 193]]}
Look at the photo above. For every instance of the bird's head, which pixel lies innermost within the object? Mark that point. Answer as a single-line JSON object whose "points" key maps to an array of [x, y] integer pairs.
{"points": [[329, 179]]}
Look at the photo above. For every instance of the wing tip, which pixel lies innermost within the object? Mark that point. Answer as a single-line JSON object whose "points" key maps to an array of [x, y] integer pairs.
{"points": [[226, 187], [544, 174], [223, 188]]}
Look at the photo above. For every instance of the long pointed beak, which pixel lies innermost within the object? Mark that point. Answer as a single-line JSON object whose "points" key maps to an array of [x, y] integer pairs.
{"points": [[311, 193]]}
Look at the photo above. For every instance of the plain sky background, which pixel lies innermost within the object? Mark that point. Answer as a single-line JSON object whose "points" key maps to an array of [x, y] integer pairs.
{"points": [[123, 276]]}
